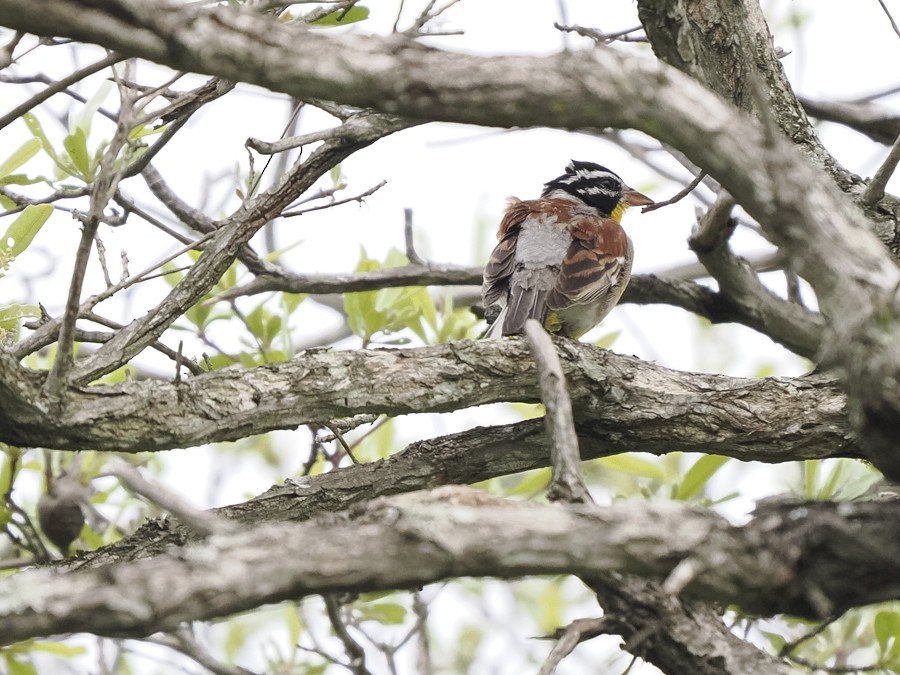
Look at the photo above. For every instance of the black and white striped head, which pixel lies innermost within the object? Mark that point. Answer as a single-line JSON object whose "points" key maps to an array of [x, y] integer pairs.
{"points": [[597, 187]]}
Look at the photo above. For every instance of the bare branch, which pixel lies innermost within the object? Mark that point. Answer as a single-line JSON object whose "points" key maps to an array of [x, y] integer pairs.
{"points": [[875, 190], [774, 564], [567, 484], [875, 121], [570, 637], [681, 194], [204, 523], [59, 86], [102, 189]]}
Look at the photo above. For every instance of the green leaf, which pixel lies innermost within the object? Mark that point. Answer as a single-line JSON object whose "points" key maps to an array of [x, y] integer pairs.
{"points": [[342, 18], [11, 314], [777, 641], [21, 179], [82, 121], [810, 476], [19, 235], [384, 612], [606, 341], [76, 146], [697, 476], [38, 131], [17, 667], [887, 632], [25, 152], [530, 484], [635, 466], [293, 623], [836, 478], [56, 648]]}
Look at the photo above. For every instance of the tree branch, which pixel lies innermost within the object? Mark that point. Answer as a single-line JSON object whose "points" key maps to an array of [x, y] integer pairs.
{"points": [[674, 635], [803, 559], [662, 411], [567, 483]]}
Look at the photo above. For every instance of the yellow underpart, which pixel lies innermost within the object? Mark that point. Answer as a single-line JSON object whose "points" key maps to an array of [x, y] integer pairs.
{"points": [[553, 324], [618, 212]]}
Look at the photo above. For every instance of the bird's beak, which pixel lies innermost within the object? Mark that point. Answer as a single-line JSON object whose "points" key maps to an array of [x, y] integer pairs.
{"points": [[635, 198]]}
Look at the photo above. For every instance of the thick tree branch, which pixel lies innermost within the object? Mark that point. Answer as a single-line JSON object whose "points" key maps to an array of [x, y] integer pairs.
{"points": [[809, 559], [879, 123], [742, 431], [676, 636], [830, 240], [609, 391]]}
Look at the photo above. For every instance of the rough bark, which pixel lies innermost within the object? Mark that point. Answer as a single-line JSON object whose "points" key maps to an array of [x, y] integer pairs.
{"points": [[828, 238], [619, 399], [806, 559], [675, 635]]}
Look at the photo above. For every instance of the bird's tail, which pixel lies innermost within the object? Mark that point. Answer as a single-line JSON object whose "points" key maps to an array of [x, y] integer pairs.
{"points": [[523, 304]]}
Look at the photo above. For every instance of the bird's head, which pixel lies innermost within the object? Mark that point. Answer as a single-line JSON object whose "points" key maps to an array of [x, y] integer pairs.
{"points": [[597, 187]]}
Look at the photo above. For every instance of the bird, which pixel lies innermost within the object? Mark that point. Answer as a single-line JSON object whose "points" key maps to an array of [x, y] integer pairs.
{"points": [[562, 259]]}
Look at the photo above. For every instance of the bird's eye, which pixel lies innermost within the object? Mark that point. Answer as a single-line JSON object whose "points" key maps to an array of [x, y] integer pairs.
{"points": [[608, 183]]}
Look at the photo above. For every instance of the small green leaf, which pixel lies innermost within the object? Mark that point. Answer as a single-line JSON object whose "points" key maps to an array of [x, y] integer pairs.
{"points": [[342, 18], [25, 152], [17, 667], [35, 127], [82, 121], [836, 479], [22, 230], [635, 466], [531, 483], [76, 146], [810, 477], [142, 131], [57, 648], [11, 314], [887, 631], [21, 179], [384, 612], [606, 341], [697, 476]]}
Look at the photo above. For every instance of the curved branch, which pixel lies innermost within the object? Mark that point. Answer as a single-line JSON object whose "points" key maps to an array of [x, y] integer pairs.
{"points": [[828, 238], [646, 404], [807, 559], [794, 327], [878, 122]]}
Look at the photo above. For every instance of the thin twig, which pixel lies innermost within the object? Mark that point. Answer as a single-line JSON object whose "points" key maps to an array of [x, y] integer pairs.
{"points": [[357, 198], [713, 230], [570, 637], [204, 523], [340, 439], [681, 194], [36, 340], [411, 255], [890, 18], [184, 641], [788, 647], [354, 650], [59, 86], [599, 36], [424, 663], [567, 483], [103, 188], [875, 189]]}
